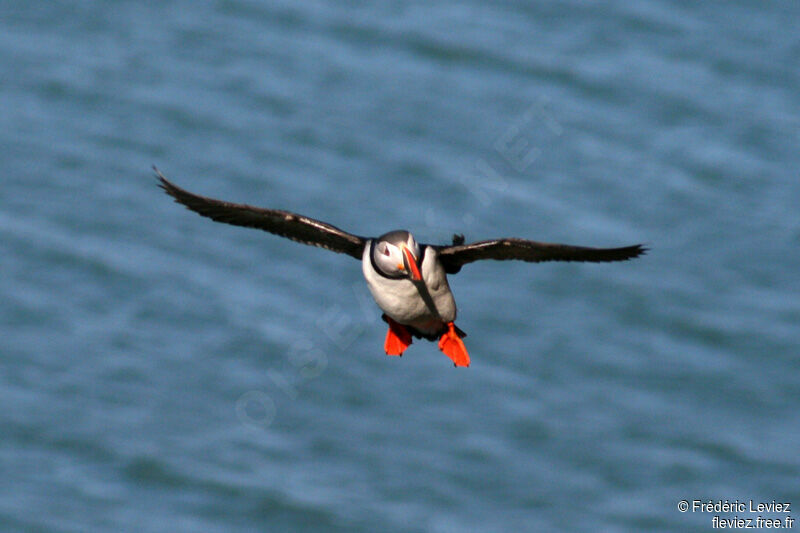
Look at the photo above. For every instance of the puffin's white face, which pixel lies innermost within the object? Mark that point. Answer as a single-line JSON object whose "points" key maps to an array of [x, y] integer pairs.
{"points": [[397, 254]]}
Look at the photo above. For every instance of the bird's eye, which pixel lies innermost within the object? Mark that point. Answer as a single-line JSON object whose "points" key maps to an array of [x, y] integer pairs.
{"points": [[386, 251]]}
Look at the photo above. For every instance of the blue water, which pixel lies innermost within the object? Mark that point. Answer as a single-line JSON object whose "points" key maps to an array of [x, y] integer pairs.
{"points": [[159, 372]]}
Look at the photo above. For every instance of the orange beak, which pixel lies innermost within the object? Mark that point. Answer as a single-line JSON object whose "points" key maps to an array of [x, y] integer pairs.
{"points": [[411, 265]]}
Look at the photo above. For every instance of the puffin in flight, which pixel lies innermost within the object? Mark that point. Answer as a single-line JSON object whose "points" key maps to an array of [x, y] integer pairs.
{"points": [[407, 279]]}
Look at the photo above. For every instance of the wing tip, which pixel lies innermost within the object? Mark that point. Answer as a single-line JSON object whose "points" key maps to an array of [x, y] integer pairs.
{"points": [[625, 253], [639, 250], [162, 181], [170, 188]]}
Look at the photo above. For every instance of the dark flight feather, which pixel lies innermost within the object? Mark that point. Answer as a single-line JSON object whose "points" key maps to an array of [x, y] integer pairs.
{"points": [[290, 225], [454, 257]]}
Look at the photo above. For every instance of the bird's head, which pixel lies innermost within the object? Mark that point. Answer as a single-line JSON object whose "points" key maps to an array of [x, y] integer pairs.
{"points": [[397, 255]]}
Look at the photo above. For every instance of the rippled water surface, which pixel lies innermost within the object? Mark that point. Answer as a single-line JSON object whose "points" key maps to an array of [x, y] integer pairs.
{"points": [[159, 372]]}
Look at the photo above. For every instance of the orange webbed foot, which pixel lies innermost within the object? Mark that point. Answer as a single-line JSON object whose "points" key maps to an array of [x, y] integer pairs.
{"points": [[397, 338], [453, 347]]}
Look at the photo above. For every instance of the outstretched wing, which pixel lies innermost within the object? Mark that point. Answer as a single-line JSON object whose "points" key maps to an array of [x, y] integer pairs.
{"points": [[290, 225], [456, 256]]}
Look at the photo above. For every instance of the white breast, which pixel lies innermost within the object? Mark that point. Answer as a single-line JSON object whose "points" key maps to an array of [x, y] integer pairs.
{"points": [[401, 300]]}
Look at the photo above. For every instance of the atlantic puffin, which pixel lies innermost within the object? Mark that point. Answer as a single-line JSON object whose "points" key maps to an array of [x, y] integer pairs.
{"points": [[407, 279]]}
